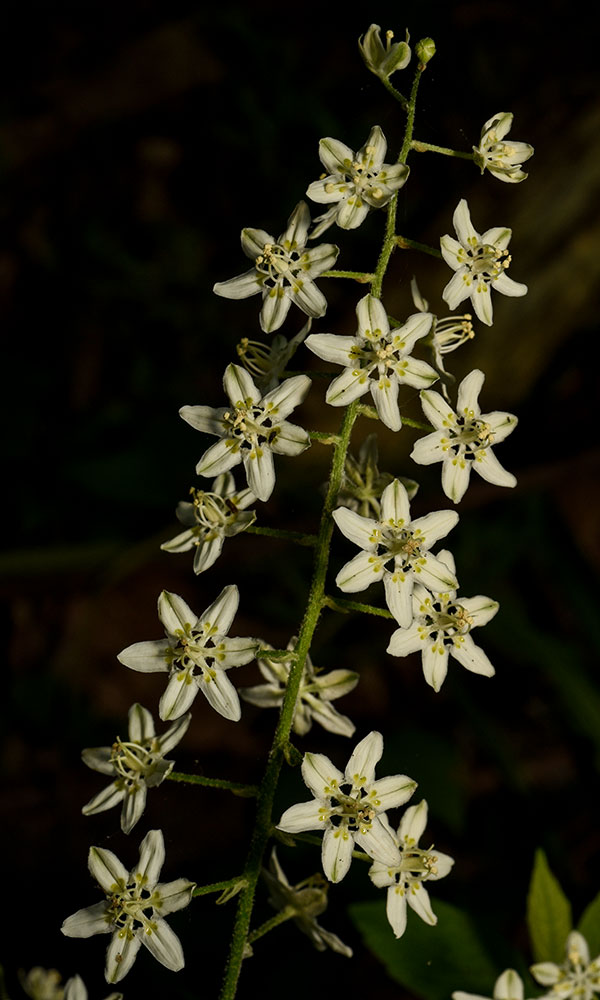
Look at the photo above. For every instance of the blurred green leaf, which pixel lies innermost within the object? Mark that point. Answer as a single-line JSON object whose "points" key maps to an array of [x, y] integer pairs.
{"points": [[589, 926], [548, 913], [429, 961]]}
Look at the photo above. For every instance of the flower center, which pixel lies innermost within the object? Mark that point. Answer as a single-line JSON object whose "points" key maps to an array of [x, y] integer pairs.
{"points": [[278, 266], [132, 907], [487, 261], [445, 620], [469, 436], [250, 426], [403, 544], [415, 866], [352, 808], [131, 760]]}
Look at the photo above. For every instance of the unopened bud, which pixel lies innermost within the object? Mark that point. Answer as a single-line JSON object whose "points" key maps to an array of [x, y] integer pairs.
{"points": [[383, 60], [425, 50]]}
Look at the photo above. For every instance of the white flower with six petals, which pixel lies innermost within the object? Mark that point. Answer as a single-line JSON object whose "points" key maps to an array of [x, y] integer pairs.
{"points": [[251, 429], [196, 654], [395, 550], [576, 977], [134, 908], [377, 359], [463, 440], [480, 263], [440, 628], [413, 866], [283, 271], [350, 806], [502, 159]]}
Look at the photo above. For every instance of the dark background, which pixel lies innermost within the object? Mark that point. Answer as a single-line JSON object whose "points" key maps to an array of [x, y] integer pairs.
{"points": [[136, 139]]}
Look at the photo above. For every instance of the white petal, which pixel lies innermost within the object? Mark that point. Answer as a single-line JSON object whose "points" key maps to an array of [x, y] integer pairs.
{"points": [[429, 449], [451, 249], [239, 386], [435, 525], [396, 909], [498, 236], [240, 287], [178, 695], [350, 385], [374, 150], [458, 288], [220, 614], [360, 530], [456, 472], [393, 791], [275, 307], [437, 410], [379, 841], [221, 695], [308, 297], [359, 573], [435, 576], [334, 154], [405, 641], [163, 943], [398, 596], [352, 213], [372, 318], [385, 396], [509, 986], [471, 656], [468, 393], [463, 225], [99, 759], [253, 241], [133, 807], [435, 664], [490, 469], [297, 227], [482, 302], [235, 651], [320, 774], [121, 955], [336, 853], [174, 613], [417, 898], [141, 724], [174, 895], [206, 419], [220, 457], [106, 868], [394, 503], [152, 858], [332, 347], [207, 553], [105, 799], [260, 471], [147, 657], [336, 683], [481, 609], [416, 373], [291, 440], [545, 973], [501, 424], [88, 921], [301, 817], [360, 769], [413, 823], [287, 396]]}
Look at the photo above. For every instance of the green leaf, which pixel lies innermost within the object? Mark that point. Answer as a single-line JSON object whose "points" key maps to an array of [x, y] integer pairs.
{"points": [[548, 913], [429, 961], [589, 926]]}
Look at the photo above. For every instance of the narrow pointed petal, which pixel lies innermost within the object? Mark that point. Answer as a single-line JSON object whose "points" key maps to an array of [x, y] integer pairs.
{"points": [[395, 505], [335, 155], [429, 449], [468, 393], [350, 385], [360, 573], [330, 719], [292, 440], [207, 419], [336, 683], [482, 302], [458, 288], [181, 543], [352, 212], [220, 457], [121, 954], [417, 898], [141, 724], [147, 657], [235, 651], [435, 576], [435, 525], [297, 227], [435, 664], [413, 823], [152, 858], [301, 817], [372, 317], [393, 791], [309, 297], [456, 472], [253, 241], [99, 759], [379, 842], [450, 252], [437, 410], [106, 868], [178, 696], [405, 641], [260, 471], [88, 921], [275, 307], [207, 554], [105, 799], [174, 613], [509, 986], [320, 774], [498, 236], [175, 895], [240, 287], [385, 396], [336, 853], [463, 225], [471, 656], [490, 469], [331, 347], [363, 531], [239, 386], [481, 609], [219, 616], [416, 373], [221, 695], [133, 807], [396, 909], [287, 396], [398, 596], [374, 149], [501, 424], [361, 766], [164, 945]]}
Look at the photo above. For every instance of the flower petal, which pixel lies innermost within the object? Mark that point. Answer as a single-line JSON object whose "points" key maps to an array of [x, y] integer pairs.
{"points": [[141, 724], [260, 471], [360, 769], [152, 858], [121, 955], [91, 920], [221, 694], [174, 613], [320, 774], [394, 503], [360, 573], [147, 657], [301, 817], [240, 287], [363, 531], [336, 852], [174, 895], [163, 943]]}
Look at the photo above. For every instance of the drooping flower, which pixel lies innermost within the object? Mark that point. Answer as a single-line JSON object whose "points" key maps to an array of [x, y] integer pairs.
{"points": [[480, 263], [363, 483], [377, 359], [211, 517], [251, 429], [502, 159], [463, 439], [395, 550], [509, 986], [412, 867], [133, 910], [441, 628], [283, 271], [355, 182], [135, 764], [577, 977], [317, 691], [447, 334], [383, 60], [195, 654], [349, 807], [267, 362], [306, 901]]}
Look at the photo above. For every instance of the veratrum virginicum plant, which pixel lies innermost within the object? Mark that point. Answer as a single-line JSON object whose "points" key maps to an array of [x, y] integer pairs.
{"points": [[351, 806]]}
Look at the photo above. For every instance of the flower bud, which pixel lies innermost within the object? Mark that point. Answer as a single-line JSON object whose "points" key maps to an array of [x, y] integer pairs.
{"points": [[425, 50], [383, 60]]}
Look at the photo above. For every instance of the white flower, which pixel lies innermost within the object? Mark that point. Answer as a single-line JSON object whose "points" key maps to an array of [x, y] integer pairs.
{"points": [[283, 271], [317, 691], [395, 550], [42, 984], [267, 362], [75, 989], [355, 182], [412, 867], [383, 61], [212, 517], [350, 807], [463, 440], [502, 159], [377, 359], [134, 908], [196, 654], [576, 977], [447, 334], [136, 765], [307, 901], [480, 263], [251, 428], [441, 627], [509, 986], [363, 483]]}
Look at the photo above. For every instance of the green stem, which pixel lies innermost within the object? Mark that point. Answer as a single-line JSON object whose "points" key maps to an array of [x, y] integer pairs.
{"points": [[389, 240], [395, 93], [263, 824], [362, 276], [246, 791], [270, 925], [323, 437], [428, 147], [405, 244], [342, 605], [290, 536], [204, 890]]}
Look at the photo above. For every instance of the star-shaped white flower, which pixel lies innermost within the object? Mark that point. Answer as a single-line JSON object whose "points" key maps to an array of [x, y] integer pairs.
{"points": [[349, 807], [135, 764], [463, 439], [377, 359], [576, 977], [133, 910], [317, 691], [307, 901], [441, 628], [509, 986], [212, 517], [283, 272], [251, 429], [395, 550], [480, 263], [502, 159], [412, 867], [355, 182], [196, 654]]}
